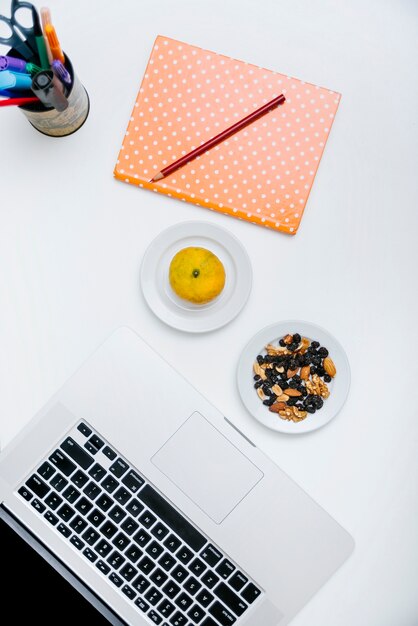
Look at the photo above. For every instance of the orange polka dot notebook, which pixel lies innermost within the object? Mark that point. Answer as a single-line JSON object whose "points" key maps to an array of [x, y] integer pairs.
{"points": [[263, 173]]}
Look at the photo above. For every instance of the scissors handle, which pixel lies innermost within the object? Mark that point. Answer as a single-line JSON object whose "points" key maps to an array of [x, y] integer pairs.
{"points": [[27, 31], [14, 41]]}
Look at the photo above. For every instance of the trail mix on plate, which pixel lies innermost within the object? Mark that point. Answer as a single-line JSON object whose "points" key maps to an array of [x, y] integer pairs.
{"points": [[291, 379]]}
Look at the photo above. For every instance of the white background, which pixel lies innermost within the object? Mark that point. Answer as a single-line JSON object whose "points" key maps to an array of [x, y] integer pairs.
{"points": [[72, 239]]}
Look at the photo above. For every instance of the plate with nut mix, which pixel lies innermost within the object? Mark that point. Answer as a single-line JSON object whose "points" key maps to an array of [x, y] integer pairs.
{"points": [[293, 377]]}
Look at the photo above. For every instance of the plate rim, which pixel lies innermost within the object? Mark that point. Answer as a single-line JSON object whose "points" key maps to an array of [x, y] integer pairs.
{"points": [[281, 425], [216, 228]]}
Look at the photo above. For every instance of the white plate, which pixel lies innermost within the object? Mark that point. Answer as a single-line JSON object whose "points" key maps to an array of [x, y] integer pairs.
{"points": [[339, 386], [179, 313]]}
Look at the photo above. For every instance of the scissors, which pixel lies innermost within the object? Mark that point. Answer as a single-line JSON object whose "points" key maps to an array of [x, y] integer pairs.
{"points": [[21, 38]]}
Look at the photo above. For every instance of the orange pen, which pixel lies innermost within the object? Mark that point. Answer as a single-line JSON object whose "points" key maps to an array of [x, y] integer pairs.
{"points": [[54, 43]]}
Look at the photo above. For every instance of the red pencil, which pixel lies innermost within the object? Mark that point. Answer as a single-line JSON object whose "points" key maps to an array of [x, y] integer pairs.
{"points": [[249, 119], [17, 102]]}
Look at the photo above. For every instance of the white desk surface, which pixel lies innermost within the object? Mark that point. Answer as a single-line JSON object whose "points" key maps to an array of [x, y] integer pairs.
{"points": [[72, 239]]}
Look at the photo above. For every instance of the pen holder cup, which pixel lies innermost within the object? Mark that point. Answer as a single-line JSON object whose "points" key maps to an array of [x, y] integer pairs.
{"points": [[53, 123]]}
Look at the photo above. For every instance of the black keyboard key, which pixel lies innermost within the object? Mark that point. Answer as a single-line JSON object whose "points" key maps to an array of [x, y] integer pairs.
{"points": [[221, 614], [103, 548], [66, 512], [192, 585], [90, 555], [133, 481], [104, 502], [153, 596], [209, 622], [250, 593], [197, 567], [76, 452], [225, 568], [122, 495], [97, 472], [88, 446], [142, 537], [53, 500], [179, 619], [58, 482], [158, 577], [64, 530], [25, 493], [184, 601], [147, 519], [109, 484], [117, 514], [103, 567], [111, 454], [79, 478], [84, 429], [116, 560], [96, 442], [167, 561], [51, 518], [128, 591], [210, 579], [211, 555], [38, 486], [115, 579], [230, 599], [128, 571], [108, 529], [91, 536], [92, 490], [166, 608], [38, 506], [84, 506], [134, 507], [121, 541], [196, 614], [159, 531], [62, 463], [179, 573], [46, 470], [71, 494], [141, 584], [118, 468], [170, 516], [96, 517], [172, 543], [184, 555], [154, 617], [154, 549], [130, 526], [78, 524], [204, 598], [142, 605], [146, 565], [133, 553], [76, 541], [171, 589], [238, 581]]}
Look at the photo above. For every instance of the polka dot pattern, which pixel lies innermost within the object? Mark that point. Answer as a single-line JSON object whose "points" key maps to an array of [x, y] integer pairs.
{"points": [[262, 174]]}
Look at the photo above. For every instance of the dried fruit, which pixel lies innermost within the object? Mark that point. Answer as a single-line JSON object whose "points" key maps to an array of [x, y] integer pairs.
{"points": [[305, 372], [292, 392], [329, 367]]}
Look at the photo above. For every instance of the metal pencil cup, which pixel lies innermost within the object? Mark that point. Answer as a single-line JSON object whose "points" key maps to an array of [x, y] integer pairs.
{"points": [[54, 123]]}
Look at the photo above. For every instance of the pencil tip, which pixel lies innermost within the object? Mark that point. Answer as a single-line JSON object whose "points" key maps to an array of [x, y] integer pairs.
{"points": [[158, 176]]}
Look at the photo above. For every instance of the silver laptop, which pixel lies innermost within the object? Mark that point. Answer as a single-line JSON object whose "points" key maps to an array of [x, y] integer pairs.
{"points": [[156, 507]]}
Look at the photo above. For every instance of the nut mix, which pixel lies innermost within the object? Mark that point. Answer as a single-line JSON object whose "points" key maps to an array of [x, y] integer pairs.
{"points": [[292, 378]]}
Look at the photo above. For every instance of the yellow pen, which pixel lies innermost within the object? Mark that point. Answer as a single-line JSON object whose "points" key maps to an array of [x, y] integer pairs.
{"points": [[54, 43]]}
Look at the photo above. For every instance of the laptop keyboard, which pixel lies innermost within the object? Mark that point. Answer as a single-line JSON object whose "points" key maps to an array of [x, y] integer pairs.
{"points": [[125, 528]]}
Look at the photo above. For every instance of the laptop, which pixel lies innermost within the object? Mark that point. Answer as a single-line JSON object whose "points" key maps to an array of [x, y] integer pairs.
{"points": [[155, 506]]}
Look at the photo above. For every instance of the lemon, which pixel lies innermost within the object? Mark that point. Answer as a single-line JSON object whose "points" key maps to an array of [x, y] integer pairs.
{"points": [[196, 275]]}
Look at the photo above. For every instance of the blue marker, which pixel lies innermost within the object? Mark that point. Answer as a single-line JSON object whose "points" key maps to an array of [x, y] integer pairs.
{"points": [[10, 80]]}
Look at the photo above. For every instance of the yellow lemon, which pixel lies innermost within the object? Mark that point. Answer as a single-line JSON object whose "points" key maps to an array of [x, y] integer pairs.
{"points": [[196, 275]]}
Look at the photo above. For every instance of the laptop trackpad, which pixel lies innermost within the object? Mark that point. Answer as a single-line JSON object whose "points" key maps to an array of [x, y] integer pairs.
{"points": [[207, 467]]}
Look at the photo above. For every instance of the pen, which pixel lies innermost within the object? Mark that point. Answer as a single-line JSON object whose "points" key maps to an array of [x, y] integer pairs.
{"points": [[18, 102], [17, 65], [48, 89], [46, 19], [39, 38], [32, 69], [10, 80], [61, 72], [54, 43]]}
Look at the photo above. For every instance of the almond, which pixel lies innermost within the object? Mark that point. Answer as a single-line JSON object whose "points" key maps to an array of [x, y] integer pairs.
{"points": [[305, 372], [277, 406], [291, 373], [329, 367], [292, 392]]}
